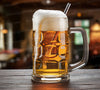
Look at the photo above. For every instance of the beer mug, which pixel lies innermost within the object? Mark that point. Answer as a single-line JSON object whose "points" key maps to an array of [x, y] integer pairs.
{"points": [[52, 47]]}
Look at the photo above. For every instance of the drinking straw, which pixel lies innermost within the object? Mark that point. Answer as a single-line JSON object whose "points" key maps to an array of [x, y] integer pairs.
{"points": [[67, 8]]}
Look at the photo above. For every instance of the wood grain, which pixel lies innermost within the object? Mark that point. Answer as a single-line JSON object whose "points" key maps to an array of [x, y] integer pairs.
{"points": [[82, 79]]}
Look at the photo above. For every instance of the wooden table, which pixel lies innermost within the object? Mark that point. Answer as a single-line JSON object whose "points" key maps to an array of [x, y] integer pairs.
{"points": [[4, 58], [82, 79], [8, 55]]}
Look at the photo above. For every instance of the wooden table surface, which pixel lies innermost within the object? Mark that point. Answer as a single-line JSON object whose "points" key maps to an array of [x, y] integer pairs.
{"points": [[82, 79], [6, 57]]}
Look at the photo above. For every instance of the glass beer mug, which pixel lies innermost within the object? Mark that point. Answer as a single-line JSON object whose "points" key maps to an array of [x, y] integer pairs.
{"points": [[52, 48]]}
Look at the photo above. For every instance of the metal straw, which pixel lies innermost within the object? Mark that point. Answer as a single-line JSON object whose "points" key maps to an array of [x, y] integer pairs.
{"points": [[67, 8]]}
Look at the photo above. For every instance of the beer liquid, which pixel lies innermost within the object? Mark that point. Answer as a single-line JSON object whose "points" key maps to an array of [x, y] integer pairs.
{"points": [[52, 54]]}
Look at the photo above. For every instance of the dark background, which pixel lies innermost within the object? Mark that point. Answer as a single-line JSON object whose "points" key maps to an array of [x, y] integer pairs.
{"points": [[19, 14]]}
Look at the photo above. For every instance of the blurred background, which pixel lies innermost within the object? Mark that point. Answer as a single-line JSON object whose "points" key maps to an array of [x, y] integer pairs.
{"points": [[16, 30]]}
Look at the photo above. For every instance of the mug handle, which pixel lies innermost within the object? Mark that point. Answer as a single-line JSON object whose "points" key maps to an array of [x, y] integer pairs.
{"points": [[84, 59]]}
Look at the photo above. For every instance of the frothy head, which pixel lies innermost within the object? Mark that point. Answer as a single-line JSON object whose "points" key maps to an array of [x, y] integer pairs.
{"points": [[50, 20]]}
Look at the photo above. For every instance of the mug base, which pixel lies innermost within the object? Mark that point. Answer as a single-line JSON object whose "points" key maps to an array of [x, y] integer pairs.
{"points": [[51, 79]]}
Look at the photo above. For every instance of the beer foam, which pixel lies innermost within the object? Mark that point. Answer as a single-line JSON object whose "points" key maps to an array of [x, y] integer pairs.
{"points": [[47, 20]]}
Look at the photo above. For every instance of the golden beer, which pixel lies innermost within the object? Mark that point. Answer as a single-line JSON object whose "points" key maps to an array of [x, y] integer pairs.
{"points": [[53, 53], [51, 47]]}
